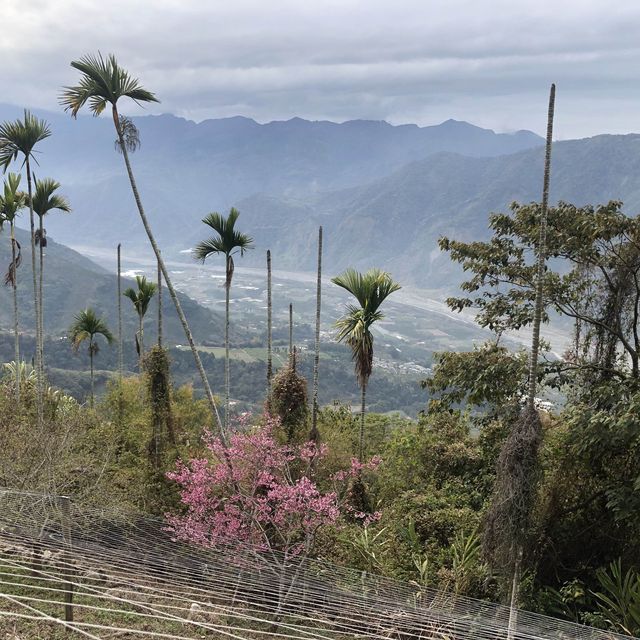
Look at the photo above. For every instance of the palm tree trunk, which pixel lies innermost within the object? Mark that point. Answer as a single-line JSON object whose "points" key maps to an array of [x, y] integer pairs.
{"points": [[159, 306], [36, 307], [40, 296], [91, 366], [167, 278], [16, 333], [513, 601], [290, 331], [141, 340], [120, 346], [362, 414], [269, 332], [227, 378], [535, 340], [542, 240], [314, 435]]}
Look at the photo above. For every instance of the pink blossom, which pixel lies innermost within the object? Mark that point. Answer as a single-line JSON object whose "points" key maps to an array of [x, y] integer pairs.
{"points": [[257, 491]]}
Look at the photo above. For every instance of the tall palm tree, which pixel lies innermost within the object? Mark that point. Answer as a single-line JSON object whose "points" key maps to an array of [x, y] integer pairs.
{"points": [[19, 139], [87, 326], [45, 200], [104, 82], [227, 242], [11, 201], [370, 289], [141, 299]]}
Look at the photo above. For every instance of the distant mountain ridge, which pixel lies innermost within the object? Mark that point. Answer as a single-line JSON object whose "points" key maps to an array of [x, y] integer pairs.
{"points": [[383, 193], [186, 169], [395, 222]]}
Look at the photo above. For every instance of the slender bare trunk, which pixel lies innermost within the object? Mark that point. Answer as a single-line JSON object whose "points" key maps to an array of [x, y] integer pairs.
{"points": [[36, 306], [40, 296], [535, 340], [120, 346], [91, 367], [542, 240], [167, 279], [316, 357], [290, 331], [362, 415], [16, 333], [159, 306], [513, 601], [140, 342], [269, 332], [227, 377]]}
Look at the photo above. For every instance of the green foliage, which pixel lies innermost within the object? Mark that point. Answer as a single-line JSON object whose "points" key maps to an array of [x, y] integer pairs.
{"points": [[12, 200], [156, 368], [87, 326], [490, 376], [227, 240], [142, 297], [591, 279], [619, 599], [370, 289], [45, 198], [18, 138], [369, 546], [289, 401]]}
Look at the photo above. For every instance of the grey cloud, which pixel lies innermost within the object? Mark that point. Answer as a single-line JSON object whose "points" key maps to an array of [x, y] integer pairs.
{"points": [[489, 62]]}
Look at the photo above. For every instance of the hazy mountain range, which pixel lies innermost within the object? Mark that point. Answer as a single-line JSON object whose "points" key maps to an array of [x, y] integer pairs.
{"points": [[186, 169], [384, 194]]}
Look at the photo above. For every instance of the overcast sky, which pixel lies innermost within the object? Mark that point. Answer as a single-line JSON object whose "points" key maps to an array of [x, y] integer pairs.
{"points": [[489, 62]]}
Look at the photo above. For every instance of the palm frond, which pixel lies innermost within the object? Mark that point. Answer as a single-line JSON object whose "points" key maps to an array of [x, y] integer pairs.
{"points": [[103, 81], [142, 296], [45, 198], [354, 328], [370, 289], [86, 326], [19, 137], [208, 247], [11, 200], [227, 241]]}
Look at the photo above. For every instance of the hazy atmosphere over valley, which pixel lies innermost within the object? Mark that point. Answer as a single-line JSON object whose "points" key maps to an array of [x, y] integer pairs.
{"points": [[320, 319]]}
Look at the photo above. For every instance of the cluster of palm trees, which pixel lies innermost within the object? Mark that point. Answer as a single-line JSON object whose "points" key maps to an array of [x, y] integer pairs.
{"points": [[18, 141], [103, 83]]}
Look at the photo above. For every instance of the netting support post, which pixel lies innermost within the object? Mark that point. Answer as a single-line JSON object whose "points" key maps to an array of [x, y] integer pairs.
{"points": [[65, 513]]}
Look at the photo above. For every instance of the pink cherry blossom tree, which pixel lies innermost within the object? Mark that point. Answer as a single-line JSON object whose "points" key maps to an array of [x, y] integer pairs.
{"points": [[259, 493]]}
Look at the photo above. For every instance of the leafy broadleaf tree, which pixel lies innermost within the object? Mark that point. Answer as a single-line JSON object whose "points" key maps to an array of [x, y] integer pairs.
{"points": [[141, 299], [11, 202], [227, 241], [88, 326], [45, 200], [18, 139], [370, 289], [104, 82]]}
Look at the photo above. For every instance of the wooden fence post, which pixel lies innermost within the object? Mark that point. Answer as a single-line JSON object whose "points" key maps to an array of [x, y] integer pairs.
{"points": [[65, 518]]}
